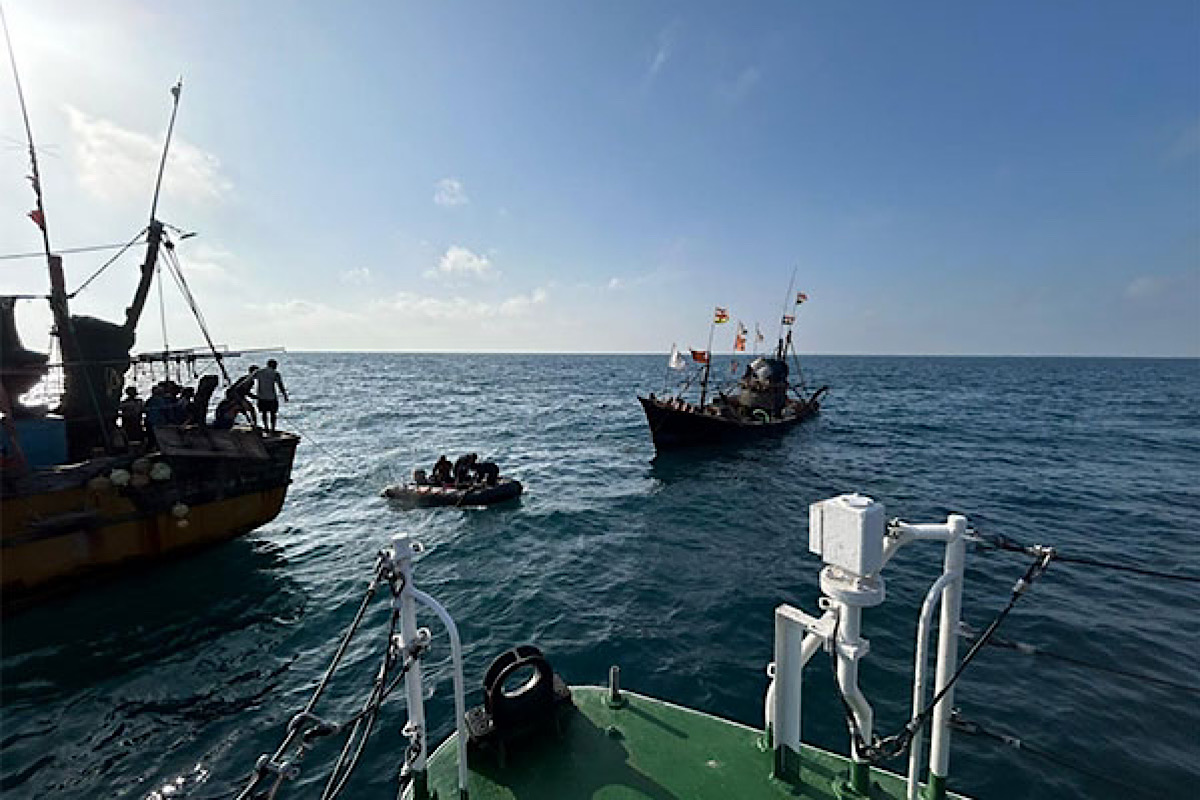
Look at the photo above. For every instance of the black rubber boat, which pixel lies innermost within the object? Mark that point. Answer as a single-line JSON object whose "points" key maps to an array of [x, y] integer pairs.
{"points": [[479, 494]]}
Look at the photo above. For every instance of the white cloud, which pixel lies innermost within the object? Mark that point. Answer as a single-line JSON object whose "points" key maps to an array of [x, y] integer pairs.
{"points": [[460, 309], [356, 277], [449, 192], [520, 305], [734, 91], [1145, 287], [664, 46], [616, 283], [461, 262], [303, 311], [114, 163], [212, 273]]}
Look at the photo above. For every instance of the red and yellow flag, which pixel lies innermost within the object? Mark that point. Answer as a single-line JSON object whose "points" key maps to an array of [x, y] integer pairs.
{"points": [[721, 315]]}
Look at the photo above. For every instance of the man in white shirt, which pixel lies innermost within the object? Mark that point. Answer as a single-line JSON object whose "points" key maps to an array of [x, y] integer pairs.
{"points": [[265, 381]]}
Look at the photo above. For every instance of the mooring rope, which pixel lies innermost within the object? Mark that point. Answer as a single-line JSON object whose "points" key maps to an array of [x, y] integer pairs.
{"points": [[305, 727]]}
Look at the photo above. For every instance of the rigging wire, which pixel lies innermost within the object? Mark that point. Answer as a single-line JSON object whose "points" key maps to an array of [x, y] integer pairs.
{"points": [[65, 251], [162, 318], [1034, 650], [176, 271], [1001, 542], [888, 747], [972, 728], [135, 240]]}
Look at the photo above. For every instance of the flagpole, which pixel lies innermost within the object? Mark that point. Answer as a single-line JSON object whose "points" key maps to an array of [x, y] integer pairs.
{"points": [[712, 327], [36, 178], [791, 285]]}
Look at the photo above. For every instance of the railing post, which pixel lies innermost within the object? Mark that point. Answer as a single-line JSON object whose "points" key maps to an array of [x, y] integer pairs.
{"points": [[947, 658], [787, 685], [402, 551]]}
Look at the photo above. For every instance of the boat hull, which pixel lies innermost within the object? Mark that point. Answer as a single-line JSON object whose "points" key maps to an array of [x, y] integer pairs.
{"points": [[59, 527], [672, 427], [433, 496]]}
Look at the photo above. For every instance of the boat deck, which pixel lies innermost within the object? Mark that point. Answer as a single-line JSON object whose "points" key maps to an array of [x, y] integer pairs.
{"points": [[646, 749]]}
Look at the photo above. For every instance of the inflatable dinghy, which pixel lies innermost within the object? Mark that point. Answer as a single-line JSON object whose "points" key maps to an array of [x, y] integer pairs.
{"points": [[479, 494]]}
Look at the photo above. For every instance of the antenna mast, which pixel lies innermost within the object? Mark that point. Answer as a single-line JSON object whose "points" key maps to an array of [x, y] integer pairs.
{"points": [[154, 233]]}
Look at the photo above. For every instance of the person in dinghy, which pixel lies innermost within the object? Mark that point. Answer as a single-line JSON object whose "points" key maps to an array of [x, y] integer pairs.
{"points": [[465, 482]]}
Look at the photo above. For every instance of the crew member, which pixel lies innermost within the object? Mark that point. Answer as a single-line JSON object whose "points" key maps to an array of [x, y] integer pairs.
{"points": [[463, 467], [443, 472], [488, 472]]}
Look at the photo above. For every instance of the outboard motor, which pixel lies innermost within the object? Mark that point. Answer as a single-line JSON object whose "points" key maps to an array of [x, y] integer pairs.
{"points": [[512, 713]]}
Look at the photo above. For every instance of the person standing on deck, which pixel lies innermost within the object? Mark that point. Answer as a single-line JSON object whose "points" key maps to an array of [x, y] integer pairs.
{"points": [[131, 416], [265, 382], [158, 412]]}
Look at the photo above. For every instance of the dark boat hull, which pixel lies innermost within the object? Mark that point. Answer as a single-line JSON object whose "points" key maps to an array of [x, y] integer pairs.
{"points": [[672, 427], [60, 526], [434, 496]]}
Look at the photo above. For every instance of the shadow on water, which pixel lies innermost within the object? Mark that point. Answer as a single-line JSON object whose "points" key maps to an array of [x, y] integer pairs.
{"points": [[145, 616]]}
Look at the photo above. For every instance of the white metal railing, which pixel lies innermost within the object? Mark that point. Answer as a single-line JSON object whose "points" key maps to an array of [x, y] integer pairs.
{"points": [[411, 639], [851, 536]]}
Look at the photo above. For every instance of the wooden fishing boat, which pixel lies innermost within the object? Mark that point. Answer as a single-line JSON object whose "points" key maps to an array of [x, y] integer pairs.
{"points": [[764, 399], [478, 494], [79, 497]]}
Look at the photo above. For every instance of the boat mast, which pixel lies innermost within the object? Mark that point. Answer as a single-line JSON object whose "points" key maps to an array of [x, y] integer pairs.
{"points": [[154, 234], [58, 291]]}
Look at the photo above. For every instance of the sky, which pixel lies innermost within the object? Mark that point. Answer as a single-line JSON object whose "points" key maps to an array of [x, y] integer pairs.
{"points": [[1018, 178]]}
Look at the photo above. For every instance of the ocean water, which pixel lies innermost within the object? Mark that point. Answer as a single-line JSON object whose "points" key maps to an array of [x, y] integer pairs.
{"points": [[169, 683]]}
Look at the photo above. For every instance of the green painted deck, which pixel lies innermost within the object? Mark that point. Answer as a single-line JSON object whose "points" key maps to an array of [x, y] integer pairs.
{"points": [[647, 749]]}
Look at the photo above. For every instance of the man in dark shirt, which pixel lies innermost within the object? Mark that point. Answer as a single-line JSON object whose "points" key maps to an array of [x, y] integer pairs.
{"points": [[443, 472], [462, 469], [131, 416]]}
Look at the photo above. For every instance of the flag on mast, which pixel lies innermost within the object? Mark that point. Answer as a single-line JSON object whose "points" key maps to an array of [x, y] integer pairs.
{"points": [[676, 361], [800, 298], [788, 319], [720, 315]]}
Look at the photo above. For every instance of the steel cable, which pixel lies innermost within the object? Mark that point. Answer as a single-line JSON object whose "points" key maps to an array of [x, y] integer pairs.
{"points": [[1001, 542]]}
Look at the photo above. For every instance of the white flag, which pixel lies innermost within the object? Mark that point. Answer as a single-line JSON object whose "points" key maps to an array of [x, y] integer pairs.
{"points": [[676, 361]]}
